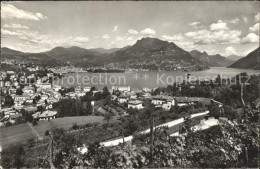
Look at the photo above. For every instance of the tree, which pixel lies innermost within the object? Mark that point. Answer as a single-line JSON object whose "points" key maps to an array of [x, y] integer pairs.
{"points": [[186, 128], [75, 126], [107, 117], [214, 110], [27, 116], [47, 133], [9, 101], [72, 107], [40, 109], [92, 88], [63, 148], [105, 93], [19, 91], [97, 96], [218, 80], [34, 123], [230, 113]]}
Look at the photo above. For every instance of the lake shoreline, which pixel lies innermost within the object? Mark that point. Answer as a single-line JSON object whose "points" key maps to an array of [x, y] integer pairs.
{"points": [[149, 79]]}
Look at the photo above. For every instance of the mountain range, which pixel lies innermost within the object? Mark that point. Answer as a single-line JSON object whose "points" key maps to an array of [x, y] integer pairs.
{"points": [[234, 57], [211, 60], [146, 53], [251, 61]]}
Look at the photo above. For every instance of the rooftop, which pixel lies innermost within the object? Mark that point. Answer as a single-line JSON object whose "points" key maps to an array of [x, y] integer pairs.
{"points": [[162, 97], [135, 102], [48, 113]]}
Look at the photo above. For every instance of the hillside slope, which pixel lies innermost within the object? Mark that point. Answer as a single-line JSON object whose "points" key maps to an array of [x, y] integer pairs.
{"points": [[251, 61]]}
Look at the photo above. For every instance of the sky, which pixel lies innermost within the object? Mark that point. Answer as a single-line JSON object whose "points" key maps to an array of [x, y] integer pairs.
{"points": [[215, 27]]}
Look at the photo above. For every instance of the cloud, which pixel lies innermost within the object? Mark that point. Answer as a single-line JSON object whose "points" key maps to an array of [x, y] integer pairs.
{"points": [[106, 36], [179, 40], [244, 19], [220, 25], [148, 31], [255, 28], [5, 32], [9, 11], [235, 20], [115, 28], [33, 41], [41, 16], [80, 39], [250, 38], [257, 17], [15, 26], [121, 41], [186, 45], [173, 38], [194, 23], [230, 51], [205, 36], [119, 38], [132, 31]]}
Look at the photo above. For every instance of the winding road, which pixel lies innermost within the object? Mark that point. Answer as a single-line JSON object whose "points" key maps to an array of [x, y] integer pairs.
{"points": [[168, 124]]}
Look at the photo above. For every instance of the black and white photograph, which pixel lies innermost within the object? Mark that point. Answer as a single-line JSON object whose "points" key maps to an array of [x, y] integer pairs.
{"points": [[129, 84]]}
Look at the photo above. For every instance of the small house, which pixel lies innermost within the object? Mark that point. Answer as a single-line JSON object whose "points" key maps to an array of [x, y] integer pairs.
{"points": [[47, 115], [122, 99], [135, 104]]}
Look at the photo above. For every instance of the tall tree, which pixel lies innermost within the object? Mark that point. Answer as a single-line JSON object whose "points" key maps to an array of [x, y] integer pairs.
{"points": [[19, 91], [105, 93], [108, 117], [9, 101]]}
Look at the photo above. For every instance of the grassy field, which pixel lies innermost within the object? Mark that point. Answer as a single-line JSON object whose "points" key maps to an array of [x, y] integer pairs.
{"points": [[16, 134], [66, 122], [22, 132]]}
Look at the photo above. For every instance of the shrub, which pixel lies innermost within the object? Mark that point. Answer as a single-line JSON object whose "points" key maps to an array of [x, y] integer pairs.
{"points": [[88, 125], [47, 132], [174, 116], [34, 123], [75, 126], [8, 124], [30, 142]]}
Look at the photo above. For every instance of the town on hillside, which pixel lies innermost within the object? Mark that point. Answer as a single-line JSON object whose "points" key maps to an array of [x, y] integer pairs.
{"points": [[120, 118], [164, 84]]}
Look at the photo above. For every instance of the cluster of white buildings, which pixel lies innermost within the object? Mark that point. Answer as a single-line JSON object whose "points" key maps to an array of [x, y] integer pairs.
{"points": [[166, 102], [79, 92], [128, 96], [30, 96]]}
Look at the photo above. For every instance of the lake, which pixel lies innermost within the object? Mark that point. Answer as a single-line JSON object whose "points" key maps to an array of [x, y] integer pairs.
{"points": [[149, 79]]}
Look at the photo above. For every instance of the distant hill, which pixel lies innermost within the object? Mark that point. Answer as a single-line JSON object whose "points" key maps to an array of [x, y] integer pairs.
{"points": [[7, 51], [251, 61], [234, 57], [211, 60], [104, 51], [74, 50], [76, 55]]}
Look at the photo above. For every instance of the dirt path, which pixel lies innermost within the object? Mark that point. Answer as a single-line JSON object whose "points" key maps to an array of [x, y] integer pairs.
{"points": [[35, 132]]}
